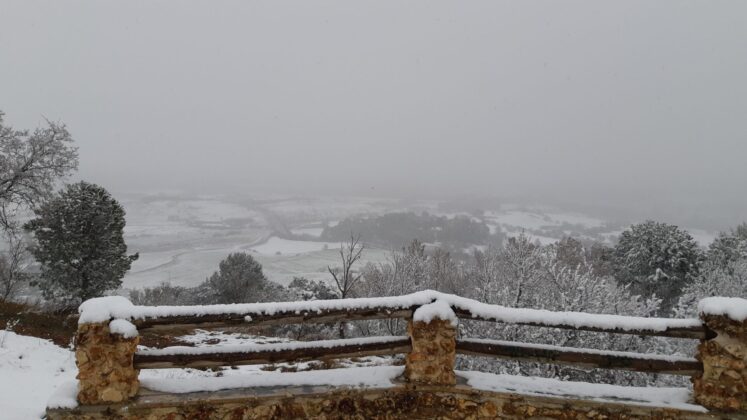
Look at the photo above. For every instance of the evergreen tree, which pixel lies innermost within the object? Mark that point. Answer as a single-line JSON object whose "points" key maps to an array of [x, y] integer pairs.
{"points": [[79, 244], [657, 258], [728, 248], [240, 279]]}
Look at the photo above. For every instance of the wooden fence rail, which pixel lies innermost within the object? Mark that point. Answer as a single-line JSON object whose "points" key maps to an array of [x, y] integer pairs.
{"points": [[580, 357], [431, 346], [264, 354]]}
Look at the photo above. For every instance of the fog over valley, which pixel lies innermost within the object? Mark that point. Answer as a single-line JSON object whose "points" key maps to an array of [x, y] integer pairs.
{"points": [[634, 106], [492, 208]]}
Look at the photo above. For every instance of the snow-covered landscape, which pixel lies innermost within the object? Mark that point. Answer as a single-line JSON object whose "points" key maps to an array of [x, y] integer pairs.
{"points": [[42, 374], [453, 202], [181, 240]]}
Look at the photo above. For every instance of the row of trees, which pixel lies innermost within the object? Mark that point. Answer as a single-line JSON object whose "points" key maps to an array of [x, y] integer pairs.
{"points": [[655, 269], [394, 229]]}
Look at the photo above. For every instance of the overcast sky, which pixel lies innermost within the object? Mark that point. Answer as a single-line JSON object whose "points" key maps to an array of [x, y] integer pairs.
{"points": [[597, 101]]}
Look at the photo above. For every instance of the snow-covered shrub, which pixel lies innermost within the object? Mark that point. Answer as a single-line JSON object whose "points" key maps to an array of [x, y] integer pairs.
{"points": [[522, 275], [240, 279], [164, 294], [729, 280]]}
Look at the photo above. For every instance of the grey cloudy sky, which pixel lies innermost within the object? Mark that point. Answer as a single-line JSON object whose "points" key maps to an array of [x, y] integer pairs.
{"points": [[592, 100]]}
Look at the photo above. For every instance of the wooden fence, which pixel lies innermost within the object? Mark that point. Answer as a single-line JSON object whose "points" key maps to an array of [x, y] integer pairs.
{"points": [[432, 337]]}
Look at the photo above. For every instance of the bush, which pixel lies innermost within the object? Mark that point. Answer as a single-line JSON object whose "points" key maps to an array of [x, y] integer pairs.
{"points": [[240, 279]]}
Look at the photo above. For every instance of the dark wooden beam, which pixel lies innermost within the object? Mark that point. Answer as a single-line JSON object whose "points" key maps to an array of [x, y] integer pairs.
{"points": [[279, 318], [182, 323], [518, 351], [311, 351], [697, 332]]}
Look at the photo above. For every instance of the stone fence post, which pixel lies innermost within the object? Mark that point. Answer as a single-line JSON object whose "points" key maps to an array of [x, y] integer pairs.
{"points": [[432, 331], [104, 355], [723, 385]]}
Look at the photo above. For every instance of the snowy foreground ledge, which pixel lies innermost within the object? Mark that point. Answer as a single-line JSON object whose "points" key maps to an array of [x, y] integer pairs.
{"points": [[116, 307], [386, 376]]}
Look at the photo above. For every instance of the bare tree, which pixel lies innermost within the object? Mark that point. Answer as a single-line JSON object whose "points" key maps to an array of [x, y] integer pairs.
{"points": [[345, 277], [30, 164], [14, 264]]}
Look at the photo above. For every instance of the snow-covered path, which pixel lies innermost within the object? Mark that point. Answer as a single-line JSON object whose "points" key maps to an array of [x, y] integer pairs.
{"points": [[31, 369]]}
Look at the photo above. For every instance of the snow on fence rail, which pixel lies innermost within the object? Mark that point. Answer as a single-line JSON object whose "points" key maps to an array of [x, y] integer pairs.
{"points": [[108, 328], [323, 311], [590, 358], [214, 356], [424, 306]]}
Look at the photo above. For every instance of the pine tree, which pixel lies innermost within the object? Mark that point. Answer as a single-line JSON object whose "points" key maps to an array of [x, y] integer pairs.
{"points": [[657, 258], [240, 279], [79, 244], [728, 248]]}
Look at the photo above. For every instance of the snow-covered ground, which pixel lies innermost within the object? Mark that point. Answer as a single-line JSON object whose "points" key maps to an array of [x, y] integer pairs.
{"points": [[190, 267], [278, 246], [677, 398], [162, 210], [311, 231], [31, 370], [34, 372], [181, 240]]}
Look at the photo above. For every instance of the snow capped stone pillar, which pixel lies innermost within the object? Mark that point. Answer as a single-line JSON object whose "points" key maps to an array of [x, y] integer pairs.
{"points": [[723, 385], [104, 353], [432, 332]]}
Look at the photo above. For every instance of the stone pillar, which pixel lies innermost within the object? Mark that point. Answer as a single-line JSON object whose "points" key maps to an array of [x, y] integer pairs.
{"points": [[723, 385], [433, 354], [106, 374]]}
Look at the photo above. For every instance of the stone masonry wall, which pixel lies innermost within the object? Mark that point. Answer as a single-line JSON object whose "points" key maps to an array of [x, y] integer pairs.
{"points": [[723, 385], [105, 370], [405, 402], [433, 354]]}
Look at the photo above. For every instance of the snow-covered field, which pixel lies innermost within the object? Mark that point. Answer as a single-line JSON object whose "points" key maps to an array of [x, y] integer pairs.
{"points": [[181, 240], [190, 267], [311, 231], [278, 246]]}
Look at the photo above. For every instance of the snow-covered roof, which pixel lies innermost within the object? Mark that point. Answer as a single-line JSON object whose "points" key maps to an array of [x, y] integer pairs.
{"points": [[734, 308], [107, 308]]}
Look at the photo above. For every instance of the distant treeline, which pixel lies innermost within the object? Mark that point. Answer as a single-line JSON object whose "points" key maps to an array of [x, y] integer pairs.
{"points": [[398, 229]]}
